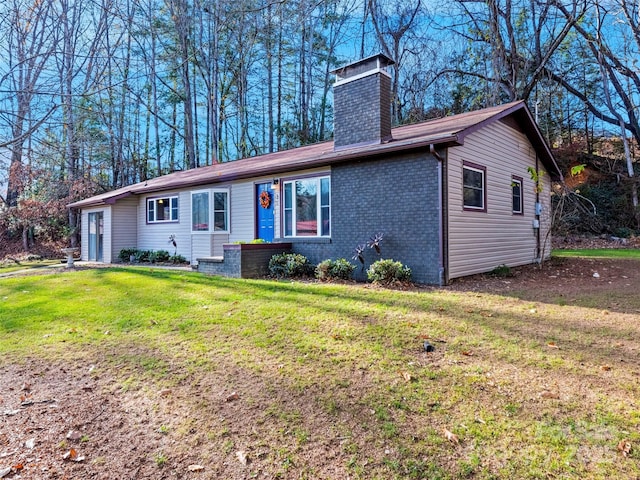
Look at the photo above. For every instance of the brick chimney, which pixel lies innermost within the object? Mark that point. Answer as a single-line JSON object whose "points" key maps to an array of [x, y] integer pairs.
{"points": [[362, 103]]}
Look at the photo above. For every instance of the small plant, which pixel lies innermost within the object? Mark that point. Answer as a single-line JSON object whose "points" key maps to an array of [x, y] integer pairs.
{"points": [[290, 265], [163, 429], [255, 241], [502, 271], [160, 459], [388, 271], [340, 269]]}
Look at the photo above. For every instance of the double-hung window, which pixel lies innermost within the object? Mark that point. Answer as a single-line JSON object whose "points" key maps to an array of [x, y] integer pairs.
{"points": [[307, 207], [162, 210], [516, 195], [474, 187], [200, 211], [220, 211], [210, 211]]}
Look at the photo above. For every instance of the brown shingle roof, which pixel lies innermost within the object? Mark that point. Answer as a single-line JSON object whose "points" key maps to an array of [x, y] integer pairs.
{"points": [[442, 132]]}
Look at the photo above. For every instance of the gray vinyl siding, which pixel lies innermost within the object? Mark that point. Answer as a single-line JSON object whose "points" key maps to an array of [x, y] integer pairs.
{"points": [[124, 226], [480, 241], [155, 236], [242, 216]]}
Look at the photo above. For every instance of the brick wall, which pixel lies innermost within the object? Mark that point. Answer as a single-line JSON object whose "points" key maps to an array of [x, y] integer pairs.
{"points": [[243, 261], [362, 111], [397, 197]]}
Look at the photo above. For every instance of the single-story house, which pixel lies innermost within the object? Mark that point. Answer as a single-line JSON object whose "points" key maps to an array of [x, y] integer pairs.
{"points": [[454, 196]]}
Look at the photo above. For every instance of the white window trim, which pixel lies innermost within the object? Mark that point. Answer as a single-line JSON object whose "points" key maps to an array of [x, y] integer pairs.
{"points": [[208, 230], [519, 182], [227, 212], [484, 188], [319, 206], [212, 228], [155, 210]]}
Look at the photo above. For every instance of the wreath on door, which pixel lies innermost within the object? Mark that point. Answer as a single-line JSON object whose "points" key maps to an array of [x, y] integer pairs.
{"points": [[265, 199]]}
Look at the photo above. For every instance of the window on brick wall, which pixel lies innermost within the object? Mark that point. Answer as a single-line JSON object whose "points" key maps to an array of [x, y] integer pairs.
{"points": [[307, 207]]}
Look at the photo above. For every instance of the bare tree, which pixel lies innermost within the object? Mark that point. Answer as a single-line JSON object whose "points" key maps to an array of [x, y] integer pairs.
{"points": [[511, 43], [31, 41], [391, 30]]}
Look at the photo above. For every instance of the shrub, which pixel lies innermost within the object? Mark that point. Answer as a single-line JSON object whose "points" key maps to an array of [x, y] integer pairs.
{"points": [[125, 254], [290, 265], [387, 271], [334, 269], [502, 271], [142, 256], [177, 259], [159, 256]]}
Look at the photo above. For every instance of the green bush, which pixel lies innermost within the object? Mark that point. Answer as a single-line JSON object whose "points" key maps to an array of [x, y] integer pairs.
{"points": [[502, 271], [387, 271], [290, 265], [340, 269], [177, 259], [144, 256], [159, 256], [125, 254]]}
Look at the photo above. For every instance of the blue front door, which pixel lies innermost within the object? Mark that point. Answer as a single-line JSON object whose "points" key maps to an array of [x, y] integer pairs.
{"points": [[264, 209]]}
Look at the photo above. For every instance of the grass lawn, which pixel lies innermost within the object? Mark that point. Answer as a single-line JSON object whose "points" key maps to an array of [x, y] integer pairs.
{"points": [[599, 253], [10, 267], [332, 381]]}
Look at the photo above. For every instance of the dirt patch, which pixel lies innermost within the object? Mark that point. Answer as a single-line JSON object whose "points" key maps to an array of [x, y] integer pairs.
{"points": [[604, 283]]}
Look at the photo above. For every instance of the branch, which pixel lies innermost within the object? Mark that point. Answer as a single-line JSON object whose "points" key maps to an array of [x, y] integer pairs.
{"points": [[583, 98], [31, 130]]}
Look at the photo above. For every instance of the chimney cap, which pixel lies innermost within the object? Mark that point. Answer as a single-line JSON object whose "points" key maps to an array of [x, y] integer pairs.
{"points": [[378, 61]]}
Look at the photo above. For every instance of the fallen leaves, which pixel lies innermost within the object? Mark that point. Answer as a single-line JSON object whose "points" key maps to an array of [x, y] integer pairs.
{"points": [[624, 447], [550, 395], [452, 437], [165, 392], [14, 469], [552, 345], [232, 397], [72, 455], [407, 376]]}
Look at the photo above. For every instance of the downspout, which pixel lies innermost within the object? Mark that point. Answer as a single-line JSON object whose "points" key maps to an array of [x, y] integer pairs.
{"points": [[538, 211], [442, 280]]}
